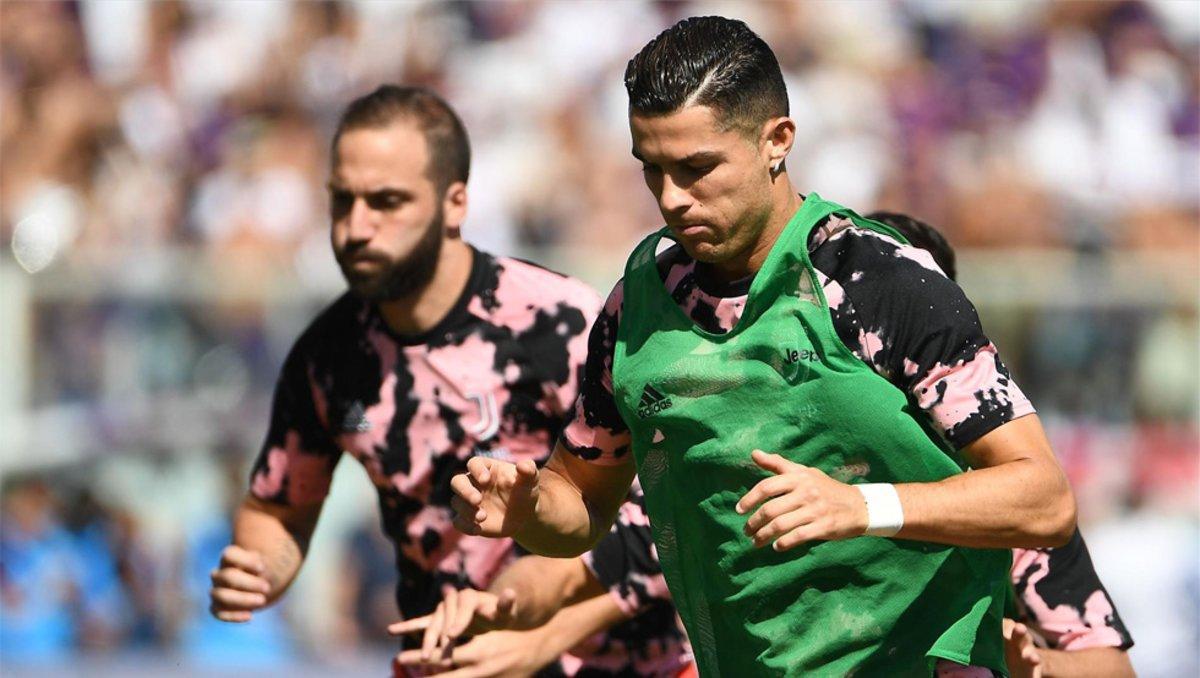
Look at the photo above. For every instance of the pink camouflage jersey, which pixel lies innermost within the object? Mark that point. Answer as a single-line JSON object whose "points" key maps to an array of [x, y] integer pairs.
{"points": [[899, 313], [496, 377]]}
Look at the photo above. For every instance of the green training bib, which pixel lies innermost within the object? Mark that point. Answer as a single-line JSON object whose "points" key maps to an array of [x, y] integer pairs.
{"points": [[782, 381]]}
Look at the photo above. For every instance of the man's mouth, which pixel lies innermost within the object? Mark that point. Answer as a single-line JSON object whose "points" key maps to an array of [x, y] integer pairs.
{"points": [[363, 261], [691, 230]]}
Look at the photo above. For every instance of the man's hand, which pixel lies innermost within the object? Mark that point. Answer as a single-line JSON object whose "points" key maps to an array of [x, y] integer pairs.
{"points": [[800, 504], [494, 498], [499, 653], [1022, 656], [238, 585], [467, 612]]}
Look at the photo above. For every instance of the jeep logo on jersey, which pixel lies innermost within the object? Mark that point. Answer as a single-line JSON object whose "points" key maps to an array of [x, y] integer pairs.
{"points": [[792, 356], [652, 402]]}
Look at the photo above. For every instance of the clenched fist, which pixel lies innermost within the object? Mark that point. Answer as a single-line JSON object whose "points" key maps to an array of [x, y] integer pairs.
{"points": [[239, 586]]}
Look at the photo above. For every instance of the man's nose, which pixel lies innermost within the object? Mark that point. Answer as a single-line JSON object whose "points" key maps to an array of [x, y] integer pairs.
{"points": [[673, 197], [360, 222]]}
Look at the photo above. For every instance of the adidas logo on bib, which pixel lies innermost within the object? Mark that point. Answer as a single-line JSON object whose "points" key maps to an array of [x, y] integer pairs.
{"points": [[652, 402]]}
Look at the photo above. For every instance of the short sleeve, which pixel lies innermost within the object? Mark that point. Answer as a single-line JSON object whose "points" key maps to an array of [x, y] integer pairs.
{"points": [[295, 465], [895, 309], [561, 351], [1062, 599], [596, 432]]}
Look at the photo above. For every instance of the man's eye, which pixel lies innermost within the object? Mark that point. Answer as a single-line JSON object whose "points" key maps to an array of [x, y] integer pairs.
{"points": [[650, 169], [700, 170], [384, 201], [340, 201]]}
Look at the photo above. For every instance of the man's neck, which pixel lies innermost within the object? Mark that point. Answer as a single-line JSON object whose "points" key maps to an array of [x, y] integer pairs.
{"points": [[785, 202], [425, 308]]}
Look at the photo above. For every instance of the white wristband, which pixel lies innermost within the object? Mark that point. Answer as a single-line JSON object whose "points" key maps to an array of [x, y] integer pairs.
{"points": [[885, 515]]}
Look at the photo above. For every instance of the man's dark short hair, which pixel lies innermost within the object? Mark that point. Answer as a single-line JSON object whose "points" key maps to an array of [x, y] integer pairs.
{"points": [[709, 61], [445, 135], [922, 235]]}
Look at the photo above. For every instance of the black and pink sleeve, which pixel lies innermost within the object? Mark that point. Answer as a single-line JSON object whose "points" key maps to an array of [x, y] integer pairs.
{"points": [[596, 432], [1061, 598], [625, 562], [296, 463], [897, 311]]}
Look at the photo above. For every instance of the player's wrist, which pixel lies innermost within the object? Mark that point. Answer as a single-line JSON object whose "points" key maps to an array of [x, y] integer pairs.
{"points": [[884, 512]]}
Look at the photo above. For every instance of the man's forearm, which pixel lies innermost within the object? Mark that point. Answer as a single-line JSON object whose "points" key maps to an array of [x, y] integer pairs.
{"points": [[543, 586], [576, 623], [280, 535], [1099, 662], [1007, 506], [1017, 496], [564, 525], [577, 503]]}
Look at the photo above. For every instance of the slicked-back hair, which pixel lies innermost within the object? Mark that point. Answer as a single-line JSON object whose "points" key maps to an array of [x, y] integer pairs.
{"points": [[445, 135], [921, 234], [709, 61]]}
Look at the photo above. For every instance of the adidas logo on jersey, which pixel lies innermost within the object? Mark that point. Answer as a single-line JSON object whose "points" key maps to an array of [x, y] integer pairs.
{"points": [[652, 402], [356, 420]]}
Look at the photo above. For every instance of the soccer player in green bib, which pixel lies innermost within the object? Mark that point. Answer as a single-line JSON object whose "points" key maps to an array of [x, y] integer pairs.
{"points": [[809, 516]]}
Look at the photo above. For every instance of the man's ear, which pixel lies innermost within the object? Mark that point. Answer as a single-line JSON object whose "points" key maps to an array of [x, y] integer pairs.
{"points": [[454, 207], [779, 135]]}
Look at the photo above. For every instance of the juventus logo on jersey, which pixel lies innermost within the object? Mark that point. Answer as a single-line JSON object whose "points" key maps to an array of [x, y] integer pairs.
{"points": [[489, 416]]}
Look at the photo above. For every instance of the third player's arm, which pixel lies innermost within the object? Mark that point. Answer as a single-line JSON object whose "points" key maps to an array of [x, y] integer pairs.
{"points": [[1098, 661], [1026, 660], [576, 505], [1015, 496], [543, 586]]}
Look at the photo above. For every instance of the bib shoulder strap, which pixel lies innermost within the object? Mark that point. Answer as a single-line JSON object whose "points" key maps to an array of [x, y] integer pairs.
{"points": [[643, 256]]}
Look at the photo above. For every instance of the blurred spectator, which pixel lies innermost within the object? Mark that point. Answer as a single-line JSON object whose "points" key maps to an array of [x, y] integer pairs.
{"points": [[37, 578], [59, 589], [112, 617]]}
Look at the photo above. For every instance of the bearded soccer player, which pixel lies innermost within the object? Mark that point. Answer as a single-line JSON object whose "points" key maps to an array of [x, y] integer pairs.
{"points": [[804, 466], [439, 352]]}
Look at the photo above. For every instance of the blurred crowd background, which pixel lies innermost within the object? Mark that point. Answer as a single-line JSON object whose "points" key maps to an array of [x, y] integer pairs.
{"points": [[164, 229]]}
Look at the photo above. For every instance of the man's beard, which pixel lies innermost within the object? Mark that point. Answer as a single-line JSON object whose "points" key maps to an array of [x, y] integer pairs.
{"points": [[403, 278]]}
